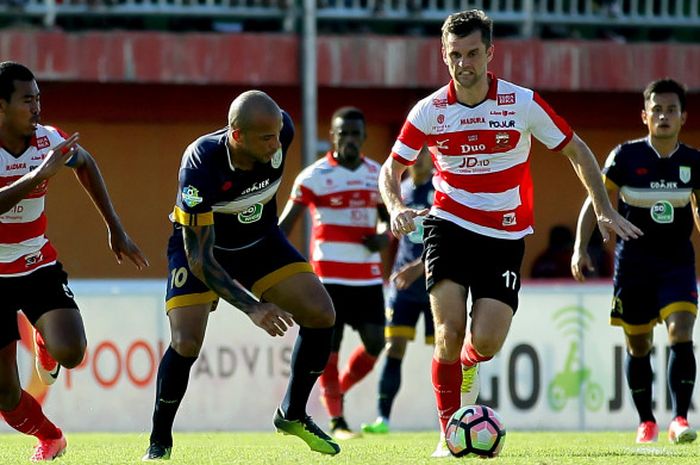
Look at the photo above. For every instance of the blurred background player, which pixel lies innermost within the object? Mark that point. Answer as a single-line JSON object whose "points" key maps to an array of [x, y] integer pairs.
{"points": [[406, 297], [655, 180], [31, 277], [224, 233], [478, 129], [342, 193]]}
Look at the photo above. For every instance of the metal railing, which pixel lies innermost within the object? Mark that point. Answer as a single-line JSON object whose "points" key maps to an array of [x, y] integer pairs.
{"points": [[528, 15]]}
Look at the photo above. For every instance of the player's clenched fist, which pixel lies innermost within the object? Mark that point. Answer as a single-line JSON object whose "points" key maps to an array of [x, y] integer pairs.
{"points": [[402, 221]]}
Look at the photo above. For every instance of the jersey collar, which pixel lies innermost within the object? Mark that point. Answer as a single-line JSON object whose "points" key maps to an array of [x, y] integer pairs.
{"points": [[647, 139], [490, 95], [32, 143]]}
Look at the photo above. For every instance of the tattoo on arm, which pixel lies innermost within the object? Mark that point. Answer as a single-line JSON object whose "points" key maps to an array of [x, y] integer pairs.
{"points": [[199, 247]]}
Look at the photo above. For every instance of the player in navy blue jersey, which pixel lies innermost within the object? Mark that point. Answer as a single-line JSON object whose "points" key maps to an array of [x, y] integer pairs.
{"points": [[226, 244], [656, 181], [406, 297]]}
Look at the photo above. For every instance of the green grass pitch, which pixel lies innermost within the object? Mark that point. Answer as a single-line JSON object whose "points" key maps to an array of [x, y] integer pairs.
{"points": [[526, 448]]}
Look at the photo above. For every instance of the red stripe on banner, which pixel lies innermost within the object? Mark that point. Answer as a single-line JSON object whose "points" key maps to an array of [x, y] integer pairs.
{"points": [[494, 220], [29, 262], [326, 269], [337, 233], [412, 136], [499, 181], [349, 199], [13, 233]]}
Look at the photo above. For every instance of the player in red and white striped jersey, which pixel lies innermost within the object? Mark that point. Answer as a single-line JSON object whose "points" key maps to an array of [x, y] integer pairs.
{"points": [[31, 277], [478, 129], [342, 194]]}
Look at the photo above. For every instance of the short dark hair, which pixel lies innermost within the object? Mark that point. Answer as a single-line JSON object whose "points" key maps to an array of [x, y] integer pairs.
{"points": [[9, 73], [351, 113], [466, 22], [666, 86]]}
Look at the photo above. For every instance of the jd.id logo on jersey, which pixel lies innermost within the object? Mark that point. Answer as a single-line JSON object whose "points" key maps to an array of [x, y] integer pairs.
{"points": [[251, 214], [190, 196]]}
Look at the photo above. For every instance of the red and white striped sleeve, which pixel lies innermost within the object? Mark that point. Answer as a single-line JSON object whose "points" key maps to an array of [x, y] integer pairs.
{"points": [[413, 134], [547, 126]]}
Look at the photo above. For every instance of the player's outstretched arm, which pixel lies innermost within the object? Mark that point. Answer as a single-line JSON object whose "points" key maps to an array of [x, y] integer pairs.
{"points": [[390, 188], [55, 159], [588, 171], [199, 247], [88, 173]]}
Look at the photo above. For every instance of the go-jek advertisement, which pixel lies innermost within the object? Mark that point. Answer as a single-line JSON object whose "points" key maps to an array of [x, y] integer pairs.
{"points": [[562, 367]]}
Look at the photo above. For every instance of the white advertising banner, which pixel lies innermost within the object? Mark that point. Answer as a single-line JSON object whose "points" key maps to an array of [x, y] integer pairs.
{"points": [[562, 367]]}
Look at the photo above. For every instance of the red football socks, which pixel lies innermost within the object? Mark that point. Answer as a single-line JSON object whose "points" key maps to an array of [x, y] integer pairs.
{"points": [[28, 418]]}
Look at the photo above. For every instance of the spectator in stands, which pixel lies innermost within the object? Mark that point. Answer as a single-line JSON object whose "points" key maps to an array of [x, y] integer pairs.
{"points": [[654, 180]]}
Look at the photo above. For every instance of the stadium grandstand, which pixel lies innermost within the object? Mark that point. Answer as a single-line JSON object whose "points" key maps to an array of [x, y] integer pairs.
{"points": [[635, 19]]}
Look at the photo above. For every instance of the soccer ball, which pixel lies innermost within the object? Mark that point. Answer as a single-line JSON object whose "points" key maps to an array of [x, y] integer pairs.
{"points": [[475, 430]]}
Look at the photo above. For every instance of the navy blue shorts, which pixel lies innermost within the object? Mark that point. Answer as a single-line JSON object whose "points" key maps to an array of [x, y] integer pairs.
{"points": [[257, 267], [642, 299], [487, 267], [39, 292], [402, 313]]}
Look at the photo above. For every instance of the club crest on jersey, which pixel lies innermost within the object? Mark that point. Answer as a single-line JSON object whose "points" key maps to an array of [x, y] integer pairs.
{"points": [[684, 174], [190, 196], [277, 159], [440, 118], [502, 139]]}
